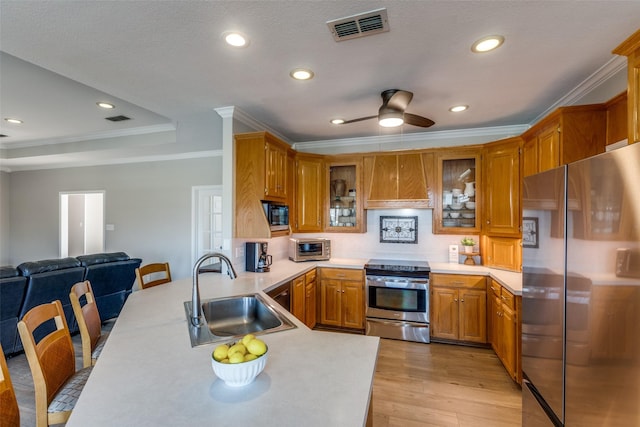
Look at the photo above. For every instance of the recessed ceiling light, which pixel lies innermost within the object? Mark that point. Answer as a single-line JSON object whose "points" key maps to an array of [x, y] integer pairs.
{"points": [[301, 74], [486, 44], [337, 121], [458, 108], [13, 121], [235, 39], [105, 105]]}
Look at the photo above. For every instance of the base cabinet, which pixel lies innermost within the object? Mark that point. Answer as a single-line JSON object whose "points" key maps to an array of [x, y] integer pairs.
{"points": [[342, 298], [504, 335], [458, 308], [303, 303]]}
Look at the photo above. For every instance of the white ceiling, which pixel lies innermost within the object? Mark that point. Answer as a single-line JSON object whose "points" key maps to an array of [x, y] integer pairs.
{"points": [[162, 62]]}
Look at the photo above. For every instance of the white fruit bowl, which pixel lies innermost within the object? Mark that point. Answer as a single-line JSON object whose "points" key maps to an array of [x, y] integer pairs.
{"points": [[239, 374]]}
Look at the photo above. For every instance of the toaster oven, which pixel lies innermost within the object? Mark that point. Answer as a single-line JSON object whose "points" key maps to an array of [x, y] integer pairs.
{"points": [[309, 249]]}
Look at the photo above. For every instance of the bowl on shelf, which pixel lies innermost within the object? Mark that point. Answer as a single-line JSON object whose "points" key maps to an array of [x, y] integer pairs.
{"points": [[239, 374], [454, 214], [471, 205], [468, 215], [456, 206]]}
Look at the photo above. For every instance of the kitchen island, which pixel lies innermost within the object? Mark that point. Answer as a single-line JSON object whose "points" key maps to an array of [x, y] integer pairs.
{"points": [[149, 375]]}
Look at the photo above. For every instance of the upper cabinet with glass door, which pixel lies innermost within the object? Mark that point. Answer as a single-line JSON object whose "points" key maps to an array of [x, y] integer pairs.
{"points": [[343, 207], [457, 207]]}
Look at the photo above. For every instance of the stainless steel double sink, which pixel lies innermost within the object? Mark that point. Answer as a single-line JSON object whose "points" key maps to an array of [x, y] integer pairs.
{"points": [[226, 318]]}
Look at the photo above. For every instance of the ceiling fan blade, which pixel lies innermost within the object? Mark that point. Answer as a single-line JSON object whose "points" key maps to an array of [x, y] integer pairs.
{"points": [[412, 119], [358, 120], [397, 99]]}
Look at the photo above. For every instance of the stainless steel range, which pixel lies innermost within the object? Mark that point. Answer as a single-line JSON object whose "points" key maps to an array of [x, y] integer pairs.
{"points": [[397, 294]]}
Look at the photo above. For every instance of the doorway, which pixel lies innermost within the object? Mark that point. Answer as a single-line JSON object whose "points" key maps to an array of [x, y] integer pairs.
{"points": [[81, 223], [206, 220]]}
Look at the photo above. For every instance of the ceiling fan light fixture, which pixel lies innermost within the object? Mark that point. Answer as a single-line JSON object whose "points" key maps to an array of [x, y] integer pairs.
{"points": [[105, 105], [235, 39], [458, 108], [301, 74], [487, 44], [390, 119], [337, 121], [13, 121]]}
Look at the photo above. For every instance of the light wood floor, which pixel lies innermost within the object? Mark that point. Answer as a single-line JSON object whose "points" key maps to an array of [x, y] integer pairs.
{"points": [[442, 385], [414, 385]]}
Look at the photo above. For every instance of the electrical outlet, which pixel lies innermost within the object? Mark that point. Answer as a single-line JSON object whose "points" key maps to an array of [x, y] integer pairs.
{"points": [[240, 252]]}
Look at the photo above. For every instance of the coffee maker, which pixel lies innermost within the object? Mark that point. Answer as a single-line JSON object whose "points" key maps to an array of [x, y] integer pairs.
{"points": [[256, 258]]}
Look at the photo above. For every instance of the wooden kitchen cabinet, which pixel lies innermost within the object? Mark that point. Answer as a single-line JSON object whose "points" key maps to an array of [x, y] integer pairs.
{"points": [[309, 193], [458, 308], [617, 126], [613, 323], [502, 252], [303, 301], [502, 211], [566, 135], [342, 298], [631, 49], [261, 173], [459, 191], [310, 316], [504, 321], [343, 207], [399, 180]]}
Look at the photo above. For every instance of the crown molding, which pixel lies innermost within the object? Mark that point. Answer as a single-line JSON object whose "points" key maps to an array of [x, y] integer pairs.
{"points": [[600, 76], [89, 137], [244, 118], [488, 133], [117, 161]]}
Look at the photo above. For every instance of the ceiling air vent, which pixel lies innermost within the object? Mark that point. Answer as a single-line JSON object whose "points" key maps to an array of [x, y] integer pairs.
{"points": [[118, 118], [361, 25]]}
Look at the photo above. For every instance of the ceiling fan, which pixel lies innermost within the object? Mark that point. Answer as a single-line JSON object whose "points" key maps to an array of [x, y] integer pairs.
{"points": [[391, 113]]}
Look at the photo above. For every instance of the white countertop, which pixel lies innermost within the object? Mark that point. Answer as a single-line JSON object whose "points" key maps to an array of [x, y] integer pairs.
{"points": [[149, 375]]}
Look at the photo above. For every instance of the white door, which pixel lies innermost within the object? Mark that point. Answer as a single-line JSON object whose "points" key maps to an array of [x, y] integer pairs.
{"points": [[206, 220]]}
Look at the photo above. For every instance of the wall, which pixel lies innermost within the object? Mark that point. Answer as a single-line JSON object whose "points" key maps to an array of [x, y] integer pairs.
{"points": [[430, 247], [149, 205], [5, 186]]}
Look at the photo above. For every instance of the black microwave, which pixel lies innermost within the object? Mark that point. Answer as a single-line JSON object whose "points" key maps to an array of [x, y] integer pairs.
{"points": [[277, 215]]}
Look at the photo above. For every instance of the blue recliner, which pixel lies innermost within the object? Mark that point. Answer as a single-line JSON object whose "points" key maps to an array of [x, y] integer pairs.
{"points": [[50, 280], [12, 288], [112, 276]]}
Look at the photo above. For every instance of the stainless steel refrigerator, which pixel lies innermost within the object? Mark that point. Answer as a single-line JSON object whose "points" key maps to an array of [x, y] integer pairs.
{"points": [[581, 293]]}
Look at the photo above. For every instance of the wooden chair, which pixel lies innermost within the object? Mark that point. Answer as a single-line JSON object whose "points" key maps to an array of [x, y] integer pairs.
{"points": [[88, 322], [9, 411], [52, 361], [154, 269]]}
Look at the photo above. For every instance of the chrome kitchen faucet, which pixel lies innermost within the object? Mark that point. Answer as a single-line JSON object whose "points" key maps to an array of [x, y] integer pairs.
{"points": [[196, 310]]}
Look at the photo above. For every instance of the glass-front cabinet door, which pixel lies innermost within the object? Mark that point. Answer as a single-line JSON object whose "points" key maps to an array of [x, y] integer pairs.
{"points": [[343, 207], [457, 206]]}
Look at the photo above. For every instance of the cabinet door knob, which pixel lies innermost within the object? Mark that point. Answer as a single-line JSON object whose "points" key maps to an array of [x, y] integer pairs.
{"points": [[455, 299], [462, 300], [488, 221]]}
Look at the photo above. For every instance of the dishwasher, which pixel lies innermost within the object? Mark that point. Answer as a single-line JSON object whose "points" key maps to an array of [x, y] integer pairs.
{"points": [[282, 295]]}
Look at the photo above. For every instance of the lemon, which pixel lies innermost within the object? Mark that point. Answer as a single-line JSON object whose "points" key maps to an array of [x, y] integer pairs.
{"points": [[247, 338], [248, 357], [224, 361], [237, 348], [257, 347], [220, 352], [236, 358]]}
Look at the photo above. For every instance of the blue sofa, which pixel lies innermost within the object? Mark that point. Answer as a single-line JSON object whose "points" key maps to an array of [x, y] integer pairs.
{"points": [[112, 276]]}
